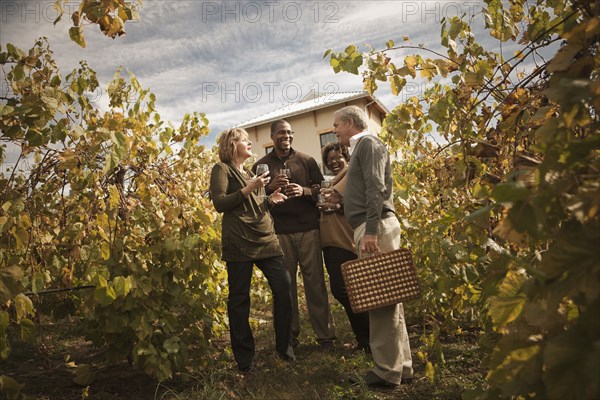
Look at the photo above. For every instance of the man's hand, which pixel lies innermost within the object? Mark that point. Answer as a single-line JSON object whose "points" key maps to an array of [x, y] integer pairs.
{"points": [[368, 245], [294, 190], [280, 182]]}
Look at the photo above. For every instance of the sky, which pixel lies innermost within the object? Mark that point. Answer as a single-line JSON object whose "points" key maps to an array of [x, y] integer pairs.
{"points": [[235, 60]]}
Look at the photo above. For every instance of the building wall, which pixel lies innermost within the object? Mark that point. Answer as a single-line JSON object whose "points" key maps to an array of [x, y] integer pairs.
{"points": [[308, 127]]}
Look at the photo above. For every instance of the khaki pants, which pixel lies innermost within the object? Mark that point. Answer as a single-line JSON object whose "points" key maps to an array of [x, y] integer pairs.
{"points": [[388, 334], [304, 249]]}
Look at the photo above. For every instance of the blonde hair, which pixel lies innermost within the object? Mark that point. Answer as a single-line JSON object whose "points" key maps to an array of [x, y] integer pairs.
{"points": [[228, 143]]}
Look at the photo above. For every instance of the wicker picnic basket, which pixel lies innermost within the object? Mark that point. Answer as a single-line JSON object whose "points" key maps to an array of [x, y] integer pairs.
{"points": [[381, 280]]}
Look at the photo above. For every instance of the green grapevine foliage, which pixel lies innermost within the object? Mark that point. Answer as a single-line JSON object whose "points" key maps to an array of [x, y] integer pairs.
{"points": [[114, 200], [504, 218]]}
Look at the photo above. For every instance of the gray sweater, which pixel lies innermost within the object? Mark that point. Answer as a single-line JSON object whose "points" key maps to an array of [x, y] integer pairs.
{"points": [[368, 194]]}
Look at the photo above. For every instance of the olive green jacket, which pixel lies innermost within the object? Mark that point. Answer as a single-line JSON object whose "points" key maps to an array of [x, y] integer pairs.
{"points": [[247, 228]]}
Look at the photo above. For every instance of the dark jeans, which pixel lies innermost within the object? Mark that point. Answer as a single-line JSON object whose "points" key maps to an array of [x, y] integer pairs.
{"points": [[239, 275], [334, 257]]}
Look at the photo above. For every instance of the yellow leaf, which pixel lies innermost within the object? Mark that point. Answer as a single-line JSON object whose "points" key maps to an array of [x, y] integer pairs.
{"points": [[410, 61], [25, 221], [105, 250], [23, 307], [430, 371], [114, 197]]}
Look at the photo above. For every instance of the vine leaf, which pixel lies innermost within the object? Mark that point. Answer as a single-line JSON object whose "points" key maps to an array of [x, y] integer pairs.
{"points": [[10, 282], [84, 375]]}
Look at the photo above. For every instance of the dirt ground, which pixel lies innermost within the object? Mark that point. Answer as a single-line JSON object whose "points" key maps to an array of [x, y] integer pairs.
{"points": [[46, 369]]}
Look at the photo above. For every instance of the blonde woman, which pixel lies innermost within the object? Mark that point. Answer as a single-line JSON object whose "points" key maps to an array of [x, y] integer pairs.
{"points": [[248, 239]]}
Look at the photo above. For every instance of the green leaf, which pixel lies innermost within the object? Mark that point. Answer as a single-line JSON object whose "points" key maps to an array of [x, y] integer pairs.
{"points": [[84, 375], [15, 52], [10, 282], [504, 310], [510, 192], [37, 283], [397, 83], [120, 144], [172, 345], [11, 387], [34, 137], [455, 27], [191, 241], [122, 286], [105, 295], [4, 343], [13, 132], [76, 35], [519, 369], [27, 330], [23, 307], [511, 284], [523, 218]]}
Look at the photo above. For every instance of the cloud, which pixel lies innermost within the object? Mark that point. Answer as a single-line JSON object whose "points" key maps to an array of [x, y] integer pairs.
{"points": [[234, 60]]}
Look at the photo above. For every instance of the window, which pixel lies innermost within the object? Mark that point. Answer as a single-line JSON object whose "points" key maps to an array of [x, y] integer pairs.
{"points": [[328, 137]]}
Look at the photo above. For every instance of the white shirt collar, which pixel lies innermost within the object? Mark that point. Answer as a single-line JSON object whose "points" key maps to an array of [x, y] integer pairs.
{"points": [[354, 139]]}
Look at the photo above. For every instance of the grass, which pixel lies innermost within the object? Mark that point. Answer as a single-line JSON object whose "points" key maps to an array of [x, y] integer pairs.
{"points": [[44, 369]]}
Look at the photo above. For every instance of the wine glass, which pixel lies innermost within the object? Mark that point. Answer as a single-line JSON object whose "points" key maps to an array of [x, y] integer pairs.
{"points": [[287, 172], [261, 169], [324, 192]]}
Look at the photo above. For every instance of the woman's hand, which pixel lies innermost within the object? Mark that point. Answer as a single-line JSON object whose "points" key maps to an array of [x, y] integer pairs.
{"points": [[277, 197], [333, 196], [256, 183], [328, 208]]}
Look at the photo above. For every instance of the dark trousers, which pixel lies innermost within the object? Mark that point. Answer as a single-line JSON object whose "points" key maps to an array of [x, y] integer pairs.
{"points": [[334, 257], [239, 275]]}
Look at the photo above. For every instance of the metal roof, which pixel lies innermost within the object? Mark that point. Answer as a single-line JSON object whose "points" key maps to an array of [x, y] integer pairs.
{"points": [[308, 103]]}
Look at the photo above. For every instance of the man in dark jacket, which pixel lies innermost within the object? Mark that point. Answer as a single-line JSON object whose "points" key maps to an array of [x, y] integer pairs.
{"points": [[297, 227]]}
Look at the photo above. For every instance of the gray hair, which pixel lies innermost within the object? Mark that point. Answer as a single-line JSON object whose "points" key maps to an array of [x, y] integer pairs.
{"points": [[356, 114]]}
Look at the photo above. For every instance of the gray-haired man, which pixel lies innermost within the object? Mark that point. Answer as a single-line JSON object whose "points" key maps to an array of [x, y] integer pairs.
{"points": [[369, 208]]}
